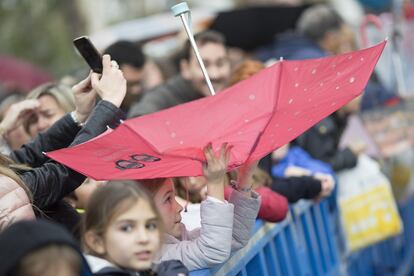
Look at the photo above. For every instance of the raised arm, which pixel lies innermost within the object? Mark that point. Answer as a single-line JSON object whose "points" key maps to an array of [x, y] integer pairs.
{"points": [[246, 206], [52, 181], [62, 133], [211, 244]]}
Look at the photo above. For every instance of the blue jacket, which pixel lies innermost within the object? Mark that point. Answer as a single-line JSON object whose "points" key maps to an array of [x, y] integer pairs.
{"points": [[297, 157]]}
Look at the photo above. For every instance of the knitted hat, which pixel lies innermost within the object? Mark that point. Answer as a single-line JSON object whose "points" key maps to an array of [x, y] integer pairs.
{"points": [[23, 237]]}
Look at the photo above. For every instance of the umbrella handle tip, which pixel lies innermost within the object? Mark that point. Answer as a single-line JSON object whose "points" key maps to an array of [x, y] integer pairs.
{"points": [[180, 9]]}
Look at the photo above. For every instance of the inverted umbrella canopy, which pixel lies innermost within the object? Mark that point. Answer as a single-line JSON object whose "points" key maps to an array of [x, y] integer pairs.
{"points": [[256, 116]]}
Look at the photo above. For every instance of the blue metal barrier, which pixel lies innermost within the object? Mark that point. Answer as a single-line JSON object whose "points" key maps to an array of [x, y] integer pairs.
{"points": [[303, 244], [308, 242]]}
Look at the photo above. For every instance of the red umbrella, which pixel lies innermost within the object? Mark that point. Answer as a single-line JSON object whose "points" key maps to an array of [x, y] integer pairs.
{"points": [[256, 116]]}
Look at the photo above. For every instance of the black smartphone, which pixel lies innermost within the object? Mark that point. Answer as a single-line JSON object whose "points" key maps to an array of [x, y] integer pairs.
{"points": [[89, 53]]}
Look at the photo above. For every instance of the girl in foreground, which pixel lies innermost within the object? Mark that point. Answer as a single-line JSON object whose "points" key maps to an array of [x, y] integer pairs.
{"points": [[122, 232]]}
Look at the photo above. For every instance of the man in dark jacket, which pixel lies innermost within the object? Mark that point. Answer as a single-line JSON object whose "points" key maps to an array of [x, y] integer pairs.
{"points": [[131, 61], [326, 34], [190, 85], [321, 32], [321, 141]]}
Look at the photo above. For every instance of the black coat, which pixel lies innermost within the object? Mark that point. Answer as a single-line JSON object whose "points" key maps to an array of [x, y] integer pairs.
{"points": [[297, 187], [49, 181], [321, 142], [293, 188]]}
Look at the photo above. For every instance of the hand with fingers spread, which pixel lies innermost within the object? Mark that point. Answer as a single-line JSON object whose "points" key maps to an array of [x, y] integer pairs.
{"points": [[85, 98], [17, 114], [215, 170], [111, 86]]}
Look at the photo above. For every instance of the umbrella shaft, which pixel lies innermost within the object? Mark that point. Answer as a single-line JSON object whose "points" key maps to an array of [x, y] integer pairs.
{"points": [[399, 73], [197, 53]]}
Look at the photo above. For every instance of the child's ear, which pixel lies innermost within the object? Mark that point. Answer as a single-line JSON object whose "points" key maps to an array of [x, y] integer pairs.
{"points": [[95, 242]]}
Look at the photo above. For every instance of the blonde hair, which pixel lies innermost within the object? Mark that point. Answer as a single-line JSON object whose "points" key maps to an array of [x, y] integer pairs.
{"points": [[60, 92]]}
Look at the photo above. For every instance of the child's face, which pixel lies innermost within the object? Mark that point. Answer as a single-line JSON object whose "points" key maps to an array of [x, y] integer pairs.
{"points": [[133, 238], [169, 208]]}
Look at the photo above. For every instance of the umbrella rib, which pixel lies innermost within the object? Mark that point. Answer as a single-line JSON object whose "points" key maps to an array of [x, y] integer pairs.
{"points": [[143, 139], [278, 89]]}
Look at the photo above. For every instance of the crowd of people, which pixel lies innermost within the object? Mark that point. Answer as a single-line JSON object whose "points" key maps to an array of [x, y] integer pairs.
{"points": [[55, 221]]}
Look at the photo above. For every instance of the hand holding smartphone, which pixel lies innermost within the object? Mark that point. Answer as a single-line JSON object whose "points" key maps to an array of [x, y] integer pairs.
{"points": [[89, 53]]}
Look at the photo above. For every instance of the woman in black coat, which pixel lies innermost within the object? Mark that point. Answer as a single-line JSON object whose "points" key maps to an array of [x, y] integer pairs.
{"points": [[48, 181]]}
